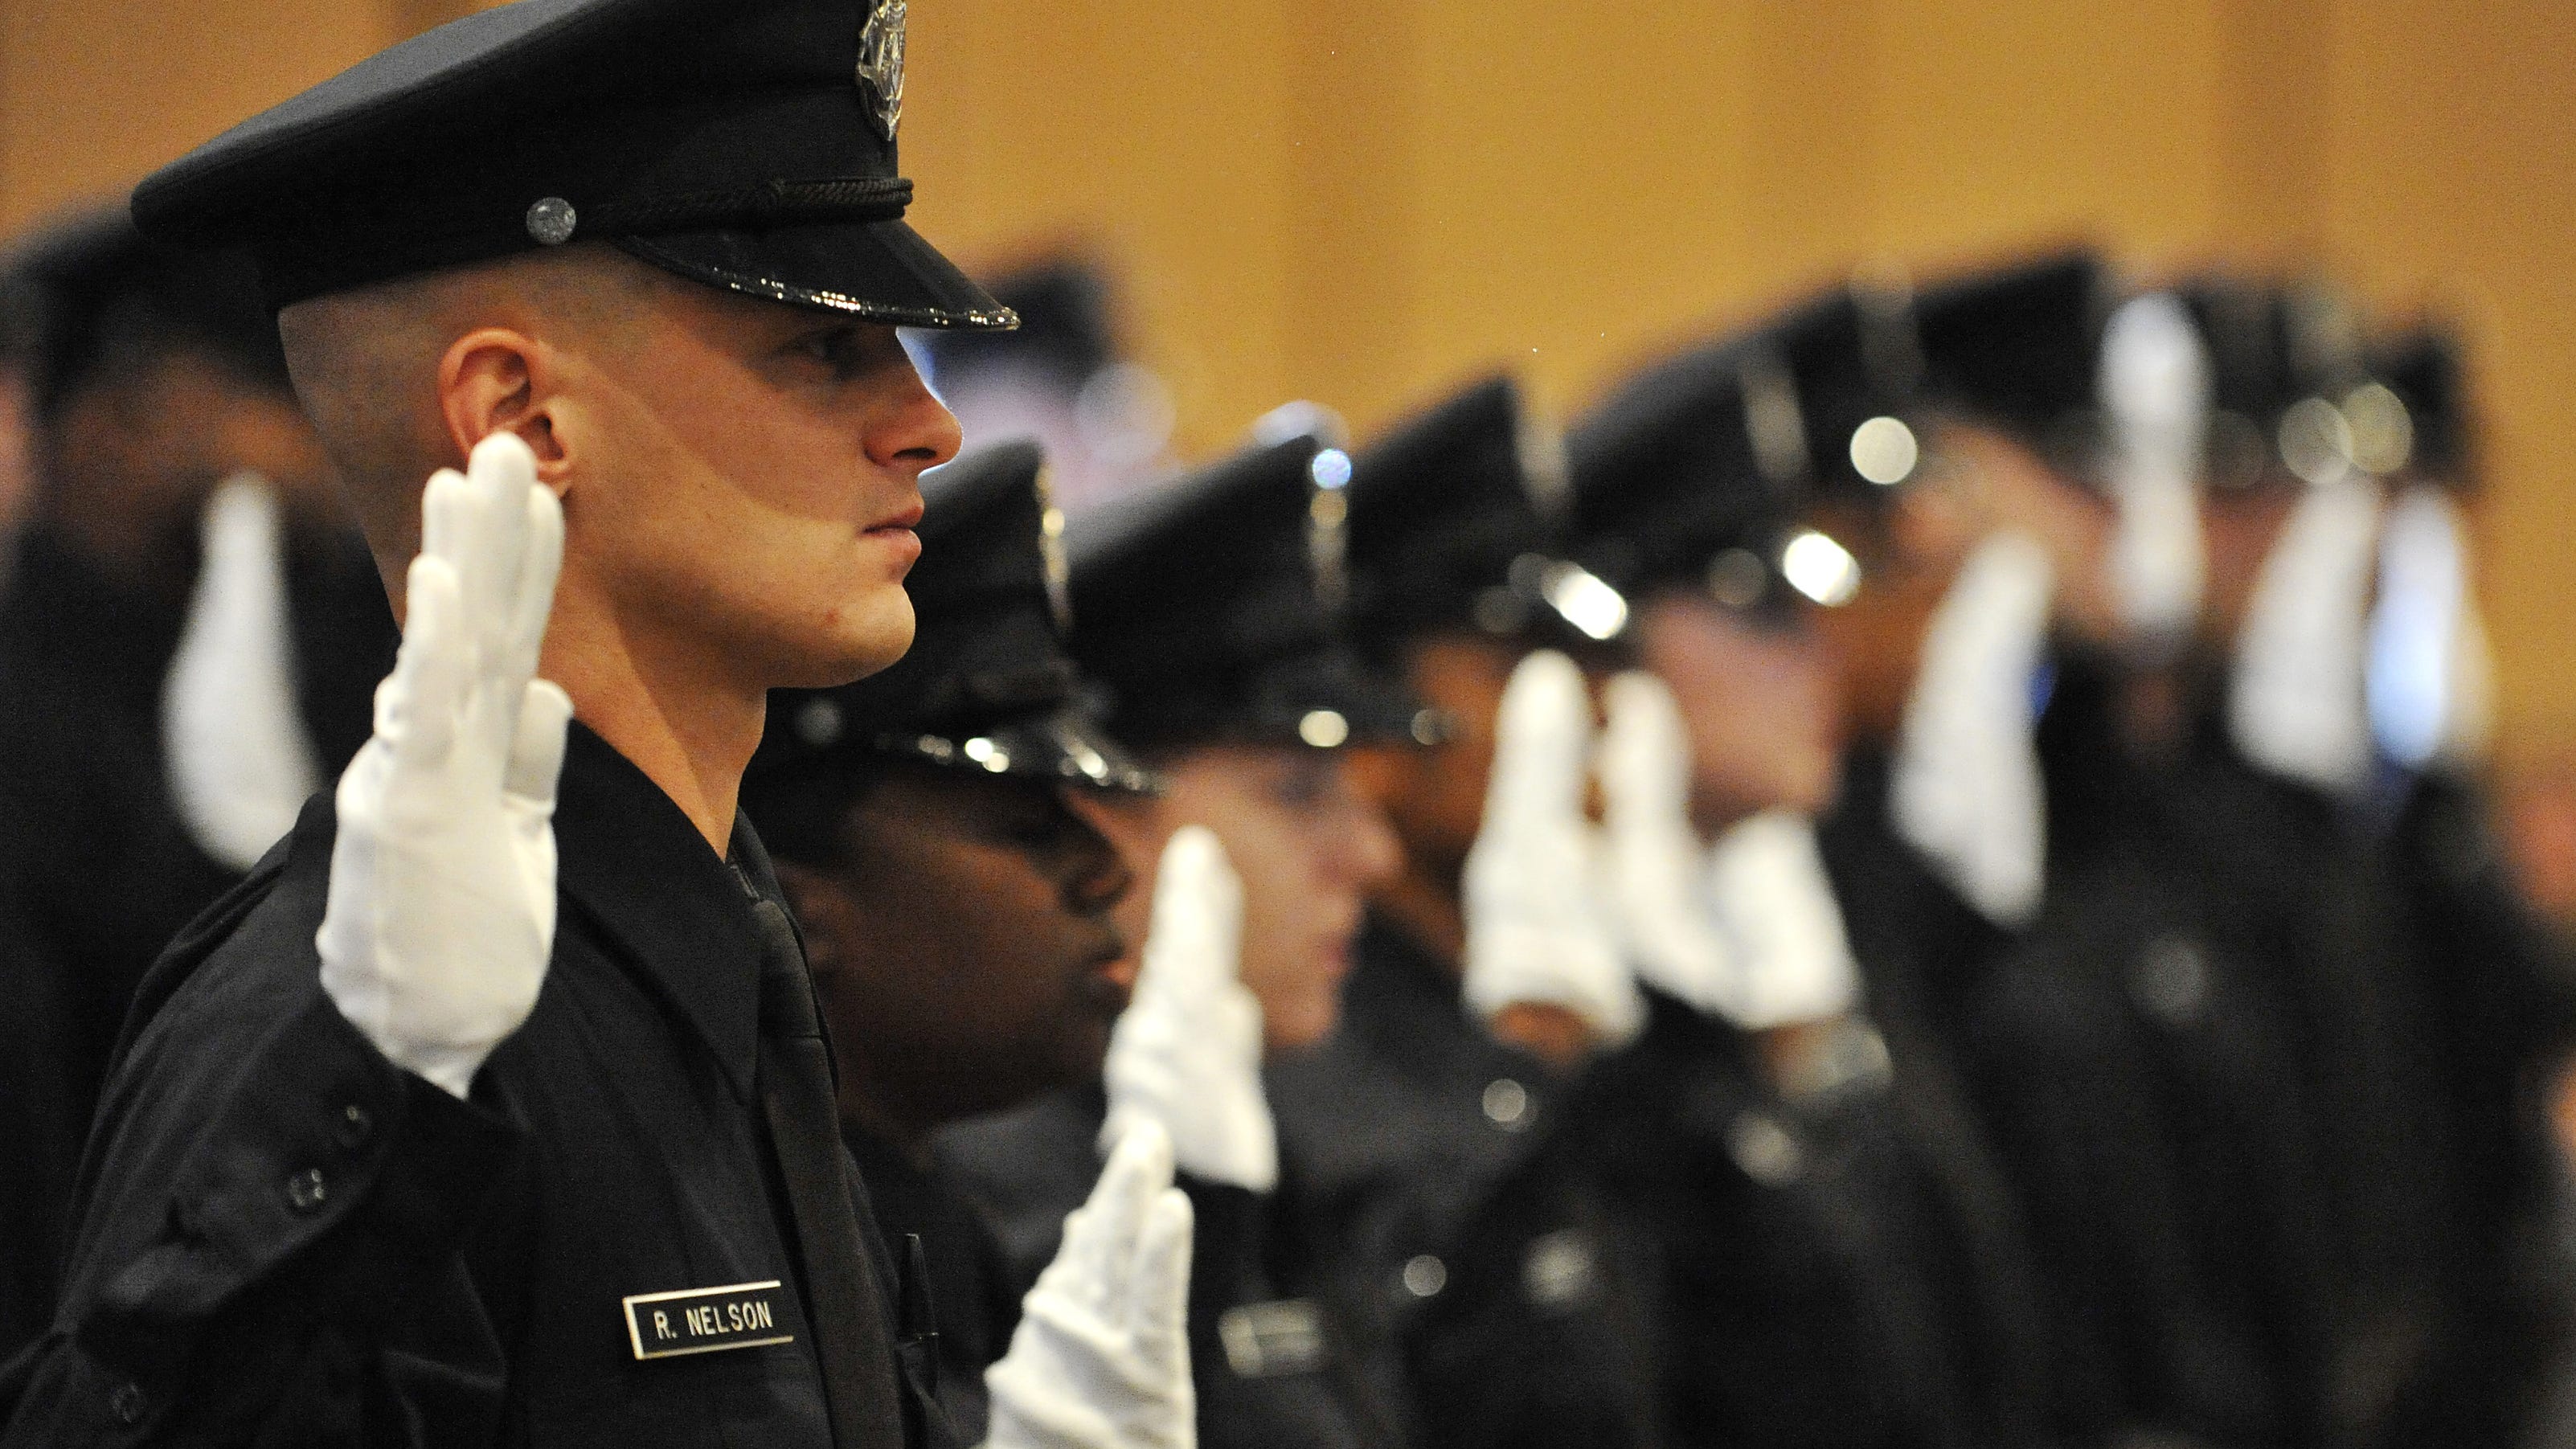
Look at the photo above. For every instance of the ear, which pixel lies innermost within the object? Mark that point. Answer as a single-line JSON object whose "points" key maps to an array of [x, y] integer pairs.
{"points": [[494, 380], [826, 916]]}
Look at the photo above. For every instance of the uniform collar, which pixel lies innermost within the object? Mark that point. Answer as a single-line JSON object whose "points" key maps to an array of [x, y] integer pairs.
{"points": [[633, 862]]}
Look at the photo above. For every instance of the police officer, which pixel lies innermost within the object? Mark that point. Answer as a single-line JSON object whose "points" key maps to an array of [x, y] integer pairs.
{"points": [[1836, 1258], [1461, 1229], [1202, 608], [2498, 981], [955, 909], [494, 1107]]}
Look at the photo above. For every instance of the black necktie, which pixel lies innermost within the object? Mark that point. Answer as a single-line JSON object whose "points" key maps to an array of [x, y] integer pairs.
{"points": [[853, 1325]]}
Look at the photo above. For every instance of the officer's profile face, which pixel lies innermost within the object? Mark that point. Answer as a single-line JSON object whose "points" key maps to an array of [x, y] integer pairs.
{"points": [[1307, 845], [1435, 796], [751, 477], [1757, 704], [964, 951]]}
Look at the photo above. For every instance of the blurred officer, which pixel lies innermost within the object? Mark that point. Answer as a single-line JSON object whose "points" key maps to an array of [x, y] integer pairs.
{"points": [[1836, 1259], [1948, 826], [1202, 610], [955, 909], [175, 673], [388, 1157], [1429, 1155], [2499, 982]]}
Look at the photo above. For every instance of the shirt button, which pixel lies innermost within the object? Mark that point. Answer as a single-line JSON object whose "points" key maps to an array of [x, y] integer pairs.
{"points": [[126, 1402], [1425, 1276], [1507, 1104], [306, 1190], [355, 1127]]}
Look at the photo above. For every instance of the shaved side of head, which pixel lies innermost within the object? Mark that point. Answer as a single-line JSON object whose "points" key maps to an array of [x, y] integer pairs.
{"points": [[365, 364]]}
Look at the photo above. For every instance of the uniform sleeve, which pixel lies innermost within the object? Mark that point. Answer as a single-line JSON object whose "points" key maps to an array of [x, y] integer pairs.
{"points": [[272, 1231]]}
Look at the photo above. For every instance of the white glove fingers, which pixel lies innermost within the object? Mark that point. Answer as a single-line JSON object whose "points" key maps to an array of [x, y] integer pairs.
{"points": [[1194, 940], [1138, 1167], [493, 526], [421, 704], [537, 749], [1542, 735], [1158, 1299], [442, 516], [1645, 750], [540, 564]]}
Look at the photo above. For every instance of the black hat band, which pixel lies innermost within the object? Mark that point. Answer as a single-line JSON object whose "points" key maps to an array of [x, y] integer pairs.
{"points": [[772, 203]]}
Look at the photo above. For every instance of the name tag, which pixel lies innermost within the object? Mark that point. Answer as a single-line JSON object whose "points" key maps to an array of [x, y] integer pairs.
{"points": [[704, 1320], [1265, 1340]]}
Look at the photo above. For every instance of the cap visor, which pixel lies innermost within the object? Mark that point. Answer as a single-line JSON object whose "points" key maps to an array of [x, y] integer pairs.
{"points": [[880, 270], [1365, 708], [1064, 746]]}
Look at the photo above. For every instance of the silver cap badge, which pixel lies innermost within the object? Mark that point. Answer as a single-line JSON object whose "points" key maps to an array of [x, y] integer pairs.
{"points": [[881, 63]]}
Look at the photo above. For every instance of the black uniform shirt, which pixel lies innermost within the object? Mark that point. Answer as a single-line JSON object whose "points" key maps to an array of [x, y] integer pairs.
{"points": [[284, 1238], [1460, 1236]]}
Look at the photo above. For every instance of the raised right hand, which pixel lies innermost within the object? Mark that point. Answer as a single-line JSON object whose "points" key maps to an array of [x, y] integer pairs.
{"points": [[441, 915]]}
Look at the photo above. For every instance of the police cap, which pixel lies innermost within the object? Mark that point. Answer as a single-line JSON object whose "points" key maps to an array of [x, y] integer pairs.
{"points": [[2019, 348], [1210, 608], [2422, 368], [2282, 358], [1447, 524], [745, 144]]}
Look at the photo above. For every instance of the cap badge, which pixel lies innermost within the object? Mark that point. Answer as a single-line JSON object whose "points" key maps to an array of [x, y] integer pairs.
{"points": [[881, 63]]}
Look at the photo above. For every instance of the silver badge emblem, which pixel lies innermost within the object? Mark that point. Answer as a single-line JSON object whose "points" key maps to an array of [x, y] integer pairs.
{"points": [[881, 63]]}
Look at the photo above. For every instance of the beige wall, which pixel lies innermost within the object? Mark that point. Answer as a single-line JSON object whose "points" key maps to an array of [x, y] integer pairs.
{"points": [[1362, 200]]}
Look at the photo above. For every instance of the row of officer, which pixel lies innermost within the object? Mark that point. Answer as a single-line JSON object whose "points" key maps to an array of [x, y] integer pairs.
{"points": [[2056, 1089]]}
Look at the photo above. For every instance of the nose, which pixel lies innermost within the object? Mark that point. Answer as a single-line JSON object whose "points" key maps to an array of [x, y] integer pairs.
{"points": [[913, 431], [1366, 848], [1099, 878]]}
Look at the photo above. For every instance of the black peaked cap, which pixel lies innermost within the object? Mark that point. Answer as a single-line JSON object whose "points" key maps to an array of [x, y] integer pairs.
{"points": [[1441, 509], [746, 144], [1664, 477], [2423, 367], [1064, 335], [987, 685], [2272, 345], [1208, 608], [90, 290], [2020, 348], [1850, 358]]}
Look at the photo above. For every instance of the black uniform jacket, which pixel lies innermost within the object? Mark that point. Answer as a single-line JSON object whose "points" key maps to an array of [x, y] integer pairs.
{"points": [[285, 1239], [1462, 1242], [1272, 1366]]}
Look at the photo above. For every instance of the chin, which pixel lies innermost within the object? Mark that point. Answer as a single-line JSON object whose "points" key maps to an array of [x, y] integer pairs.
{"points": [[855, 643]]}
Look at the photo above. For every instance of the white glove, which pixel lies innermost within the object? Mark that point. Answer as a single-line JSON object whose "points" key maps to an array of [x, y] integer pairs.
{"points": [[1535, 930], [1966, 790], [441, 914], [1655, 869], [1101, 1359], [240, 765], [2294, 704], [1186, 1054], [2429, 673], [2155, 390], [1769, 883]]}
